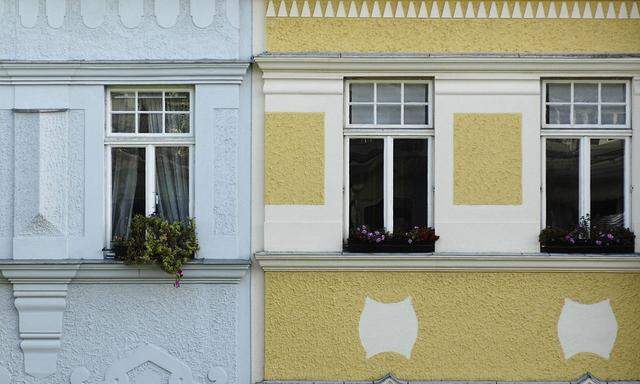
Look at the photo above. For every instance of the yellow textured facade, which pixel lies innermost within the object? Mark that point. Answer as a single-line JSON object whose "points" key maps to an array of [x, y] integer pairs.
{"points": [[472, 325], [487, 153], [294, 158], [456, 34]]}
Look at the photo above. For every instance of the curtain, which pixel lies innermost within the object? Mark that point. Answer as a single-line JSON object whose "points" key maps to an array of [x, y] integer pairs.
{"points": [[172, 182], [125, 172]]}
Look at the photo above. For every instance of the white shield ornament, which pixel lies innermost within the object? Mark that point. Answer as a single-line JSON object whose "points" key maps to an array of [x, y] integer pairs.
{"points": [[587, 328], [391, 327]]}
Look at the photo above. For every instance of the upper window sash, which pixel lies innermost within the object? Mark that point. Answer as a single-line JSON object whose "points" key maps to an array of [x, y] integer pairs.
{"points": [[138, 112], [592, 100], [388, 104]]}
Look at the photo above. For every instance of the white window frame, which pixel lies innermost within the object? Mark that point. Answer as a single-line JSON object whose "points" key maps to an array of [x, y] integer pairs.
{"points": [[572, 125], [388, 133], [402, 103], [148, 141]]}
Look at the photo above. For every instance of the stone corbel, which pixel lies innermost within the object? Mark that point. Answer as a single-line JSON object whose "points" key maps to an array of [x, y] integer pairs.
{"points": [[40, 293]]}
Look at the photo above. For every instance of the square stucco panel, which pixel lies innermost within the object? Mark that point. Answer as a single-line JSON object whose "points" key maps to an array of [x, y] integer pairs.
{"points": [[294, 158], [487, 151]]}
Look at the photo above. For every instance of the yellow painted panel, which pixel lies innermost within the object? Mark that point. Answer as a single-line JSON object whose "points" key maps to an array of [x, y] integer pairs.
{"points": [[487, 152], [294, 158], [472, 325]]}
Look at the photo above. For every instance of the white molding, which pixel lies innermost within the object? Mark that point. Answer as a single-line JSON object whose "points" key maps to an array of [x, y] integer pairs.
{"points": [[446, 262], [110, 73]]}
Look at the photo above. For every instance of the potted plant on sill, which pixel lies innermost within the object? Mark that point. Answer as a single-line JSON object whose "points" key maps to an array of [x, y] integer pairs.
{"points": [[365, 240], [587, 238], [154, 240]]}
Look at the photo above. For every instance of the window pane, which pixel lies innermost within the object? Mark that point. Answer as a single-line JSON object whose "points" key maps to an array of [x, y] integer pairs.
{"points": [[389, 114], [614, 114], [123, 123], [150, 123], [607, 181], [176, 101], [409, 183], [558, 114], [585, 114], [559, 92], [123, 101], [361, 114], [361, 92], [127, 188], [415, 114], [585, 93], [416, 93], [366, 177], [150, 101], [562, 182], [172, 182], [613, 93], [388, 93], [176, 123]]}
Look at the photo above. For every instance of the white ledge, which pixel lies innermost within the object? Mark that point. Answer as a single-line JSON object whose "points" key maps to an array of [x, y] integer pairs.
{"points": [[111, 272], [282, 261], [112, 73]]}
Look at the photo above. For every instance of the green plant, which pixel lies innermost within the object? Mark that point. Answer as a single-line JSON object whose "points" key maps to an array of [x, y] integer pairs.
{"points": [[155, 240]]}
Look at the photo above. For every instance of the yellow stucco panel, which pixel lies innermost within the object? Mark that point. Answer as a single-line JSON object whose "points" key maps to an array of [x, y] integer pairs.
{"points": [[487, 156], [567, 27], [471, 325], [294, 158]]}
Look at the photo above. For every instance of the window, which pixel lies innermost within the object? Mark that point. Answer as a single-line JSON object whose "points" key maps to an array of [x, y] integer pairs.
{"points": [[586, 170], [149, 154], [387, 171], [586, 104]]}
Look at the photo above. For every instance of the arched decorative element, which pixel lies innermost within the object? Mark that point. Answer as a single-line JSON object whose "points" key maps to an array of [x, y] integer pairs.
{"points": [[28, 11], [92, 12], [56, 10], [131, 12], [233, 13], [202, 12], [166, 12]]}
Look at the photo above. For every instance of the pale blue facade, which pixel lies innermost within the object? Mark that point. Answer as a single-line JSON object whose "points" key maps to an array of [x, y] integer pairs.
{"points": [[67, 315]]}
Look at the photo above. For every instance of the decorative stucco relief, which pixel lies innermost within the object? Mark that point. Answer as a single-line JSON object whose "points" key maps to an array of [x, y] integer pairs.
{"points": [[202, 12], [388, 327], [225, 182], [6, 173], [55, 10], [131, 12]]}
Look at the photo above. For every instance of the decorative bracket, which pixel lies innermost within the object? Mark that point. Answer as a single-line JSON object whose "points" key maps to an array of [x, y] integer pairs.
{"points": [[40, 293]]}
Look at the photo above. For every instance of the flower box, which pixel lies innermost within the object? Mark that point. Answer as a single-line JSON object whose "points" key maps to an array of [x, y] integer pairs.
{"points": [[390, 247], [587, 238], [587, 248], [417, 240]]}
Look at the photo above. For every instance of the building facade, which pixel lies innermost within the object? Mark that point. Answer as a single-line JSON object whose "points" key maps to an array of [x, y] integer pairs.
{"points": [[487, 121], [109, 109]]}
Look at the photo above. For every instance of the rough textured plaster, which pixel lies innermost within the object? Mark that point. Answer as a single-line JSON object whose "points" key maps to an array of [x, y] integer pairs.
{"points": [[225, 185], [452, 35], [76, 170], [472, 326], [103, 323], [294, 158], [111, 40], [6, 173], [487, 152]]}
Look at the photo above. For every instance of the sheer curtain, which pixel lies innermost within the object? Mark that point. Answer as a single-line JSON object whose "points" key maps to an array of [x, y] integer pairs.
{"points": [[124, 185], [172, 182]]}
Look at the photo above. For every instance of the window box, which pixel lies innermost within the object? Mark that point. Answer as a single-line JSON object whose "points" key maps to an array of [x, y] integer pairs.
{"points": [[587, 238], [417, 240], [391, 246], [586, 248]]}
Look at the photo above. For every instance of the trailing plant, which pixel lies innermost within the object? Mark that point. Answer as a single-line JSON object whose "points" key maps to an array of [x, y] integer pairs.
{"points": [[170, 245], [421, 235], [365, 234], [587, 234], [418, 234]]}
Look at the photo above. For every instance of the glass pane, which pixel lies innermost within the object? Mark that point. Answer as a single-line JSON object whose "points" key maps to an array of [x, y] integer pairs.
{"points": [[585, 93], [558, 114], [172, 182], [176, 123], [150, 101], [366, 179], [176, 101], [562, 159], [388, 114], [416, 93], [614, 114], [150, 123], [361, 92], [415, 114], [123, 123], [127, 188], [409, 184], [388, 93], [559, 92], [123, 101], [361, 114], [585, 114], [607, 181], [613, 93]]}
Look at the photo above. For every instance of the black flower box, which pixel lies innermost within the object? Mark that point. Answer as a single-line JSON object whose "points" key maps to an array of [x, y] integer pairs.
{"points": [[119, 251], [389, 247], [587, 248]]}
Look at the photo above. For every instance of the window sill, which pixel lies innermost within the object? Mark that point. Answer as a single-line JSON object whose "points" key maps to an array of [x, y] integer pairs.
{"points": [[441, 261]]}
